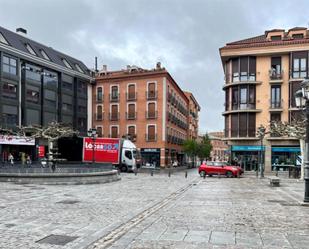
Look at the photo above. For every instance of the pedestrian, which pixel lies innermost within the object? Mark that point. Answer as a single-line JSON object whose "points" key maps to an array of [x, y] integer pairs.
{"points": [[11, 159], [28, 161]]}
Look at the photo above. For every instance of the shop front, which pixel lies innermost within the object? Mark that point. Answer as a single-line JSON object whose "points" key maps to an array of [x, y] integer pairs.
{"points": [[285, 157], [19, 147], [150, 157], [247, 156]]}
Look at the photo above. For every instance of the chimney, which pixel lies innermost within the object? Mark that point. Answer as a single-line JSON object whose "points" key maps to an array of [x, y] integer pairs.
{"points": [[21, 31], [158, 66], [96, 64]]}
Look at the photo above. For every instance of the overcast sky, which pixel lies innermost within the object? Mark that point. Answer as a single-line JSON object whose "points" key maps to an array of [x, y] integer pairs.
{"points": [[184, 35]]}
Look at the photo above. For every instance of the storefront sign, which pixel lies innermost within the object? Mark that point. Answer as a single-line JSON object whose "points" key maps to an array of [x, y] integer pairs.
{"points": [[247, 148], [15, 140], [285, 149], [106, 150], [150, 150], [41, 151]]}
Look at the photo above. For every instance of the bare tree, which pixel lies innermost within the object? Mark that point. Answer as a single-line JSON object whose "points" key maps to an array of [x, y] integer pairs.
{"points": [[297, 129]]}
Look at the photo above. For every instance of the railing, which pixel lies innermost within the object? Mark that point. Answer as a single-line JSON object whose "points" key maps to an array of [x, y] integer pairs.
{"points": [[114, 97], [131, 115], [113, 135], [151, 95], [131, 96], [151, 115], [114, 116], [151, 137], [275, 104], [243, 106], [99, 116], [275, 74], [99, 98]]}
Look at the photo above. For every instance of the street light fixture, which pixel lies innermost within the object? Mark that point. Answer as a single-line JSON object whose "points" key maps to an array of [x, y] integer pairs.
{"points": [[92, 132], [261, 134], [302, 101]]}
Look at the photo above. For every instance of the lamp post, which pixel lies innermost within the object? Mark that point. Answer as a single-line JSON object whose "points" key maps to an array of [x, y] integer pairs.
{"points": [[302, 100], [92, 133], [261, 134]]}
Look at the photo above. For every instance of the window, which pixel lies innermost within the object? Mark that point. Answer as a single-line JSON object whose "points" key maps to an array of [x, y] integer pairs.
{"points": [[32, 117], [67, 82], [298, 36], [243, 97], [275, 117], [50, 98], [131, 131], [33, 73], [300, 64], [66, 63], [244, 69], [227, 100], [275, 71], [9, 90], [131, 111], [100, 131], [128, 154], [30, 49], [114, 131], [45, 56], [114, 115], [294, 87], [82, 124], [151, 133], [78, 68], [114, 94], [82, 88], [9, 116], [276, 97], [50, 78], [235, 70], [151, 110], [3, 40], [67, 102], [131, 92], [32, 94], [151, 90], [243, 125], [49, 117], [99, 94], [275, 37], [9, 65], [226, 126], [99, 112]]}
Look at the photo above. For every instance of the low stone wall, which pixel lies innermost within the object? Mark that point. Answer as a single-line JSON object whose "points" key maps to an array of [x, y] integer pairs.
{"points": [[60, 177]]}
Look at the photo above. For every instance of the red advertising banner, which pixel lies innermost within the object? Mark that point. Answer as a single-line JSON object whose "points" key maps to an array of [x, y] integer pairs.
{"points": [[41, 151], [106, 150]]}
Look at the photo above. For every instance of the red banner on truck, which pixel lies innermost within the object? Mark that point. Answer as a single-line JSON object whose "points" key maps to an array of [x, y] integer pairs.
{"points": [[106, 150]]}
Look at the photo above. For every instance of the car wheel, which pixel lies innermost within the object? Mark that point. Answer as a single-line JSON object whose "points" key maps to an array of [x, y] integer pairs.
{"points": [[210, 175], [202, 173], [229, 174], [124, 168]]}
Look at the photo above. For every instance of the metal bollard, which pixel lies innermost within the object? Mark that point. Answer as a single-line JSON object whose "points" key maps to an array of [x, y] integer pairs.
{"points": [[135, 172], [186, 174], [169, 173], [238, 174], [151, 172], [204, 176]]}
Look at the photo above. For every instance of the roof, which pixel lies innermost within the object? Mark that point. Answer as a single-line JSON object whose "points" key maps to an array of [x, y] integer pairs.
{"points": [[261, 41], [190, 95], [19, 42]]}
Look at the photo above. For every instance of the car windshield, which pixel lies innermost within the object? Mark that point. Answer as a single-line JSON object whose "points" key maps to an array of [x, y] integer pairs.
{"points": [[219, 164]]}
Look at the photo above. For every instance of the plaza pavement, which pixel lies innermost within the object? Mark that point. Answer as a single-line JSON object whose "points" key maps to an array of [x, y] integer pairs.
{"points": [[158, 211]]}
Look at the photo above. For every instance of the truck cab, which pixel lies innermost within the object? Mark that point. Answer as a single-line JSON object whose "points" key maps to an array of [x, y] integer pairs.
{"points": [[128, 156]]}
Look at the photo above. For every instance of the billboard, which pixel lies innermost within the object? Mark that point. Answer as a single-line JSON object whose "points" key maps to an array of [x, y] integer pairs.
{"points": [[41, 151], [106, 150]]}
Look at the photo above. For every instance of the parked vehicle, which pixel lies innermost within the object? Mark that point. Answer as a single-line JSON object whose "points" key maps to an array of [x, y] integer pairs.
{"points": [[219, 168], [120, 152]]}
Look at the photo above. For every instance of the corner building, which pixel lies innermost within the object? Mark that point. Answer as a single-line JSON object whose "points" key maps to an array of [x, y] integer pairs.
{"points": [[146, 106], [39, 85], [193, 116], [262, 74]]}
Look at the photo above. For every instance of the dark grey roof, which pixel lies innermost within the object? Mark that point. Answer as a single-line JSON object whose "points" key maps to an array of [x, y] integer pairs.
{"points": [[18, 42]]}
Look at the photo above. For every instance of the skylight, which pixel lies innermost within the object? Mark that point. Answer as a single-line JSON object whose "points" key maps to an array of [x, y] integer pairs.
{"points": [[30, 49], [66, 63], [3, 40], [44, 54], [78, 68]]}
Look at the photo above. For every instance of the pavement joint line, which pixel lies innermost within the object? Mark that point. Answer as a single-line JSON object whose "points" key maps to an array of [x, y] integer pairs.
{"points": [[117, 233]]}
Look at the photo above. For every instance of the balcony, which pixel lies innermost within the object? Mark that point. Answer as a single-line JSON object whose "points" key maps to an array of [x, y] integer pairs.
{"points": [[131, 115], [114, 116], [242, 80], [275, 105], [151, 137], [275, 76], [151, 115], [242, 108], [151, 95], [131, 96], [113, 135], [99, 116], [99, 98], [114, 97]]}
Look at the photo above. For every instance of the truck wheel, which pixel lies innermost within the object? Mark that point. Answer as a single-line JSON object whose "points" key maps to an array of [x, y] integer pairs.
{"points": [[124, 168]]}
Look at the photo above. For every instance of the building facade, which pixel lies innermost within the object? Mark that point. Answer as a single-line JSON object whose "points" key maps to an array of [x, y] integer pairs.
{"points": [[194, 109], [262, 75], [147, 106], [39, 85], [219, 150]]}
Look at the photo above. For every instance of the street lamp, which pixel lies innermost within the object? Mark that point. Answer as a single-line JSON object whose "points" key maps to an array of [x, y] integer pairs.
{"points": [[92, 133], [302, 100], [261, 134]]}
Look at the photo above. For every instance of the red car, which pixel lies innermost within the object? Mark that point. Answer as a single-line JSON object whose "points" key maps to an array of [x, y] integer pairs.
{"points": [[219, 168]]}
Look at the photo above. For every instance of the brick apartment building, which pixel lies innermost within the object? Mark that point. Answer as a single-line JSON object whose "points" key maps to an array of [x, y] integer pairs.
{"points": [[262, 74], [219, 146], [146, 105], [194, 109]]}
